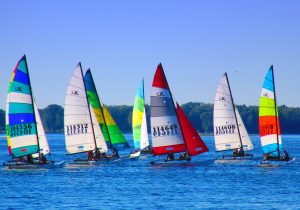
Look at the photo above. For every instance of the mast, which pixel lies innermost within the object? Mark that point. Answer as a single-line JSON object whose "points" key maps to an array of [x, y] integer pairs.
{"points": [[276, 114], [87, 100], [233, 106], [173, 105], [100, 107], [32, 103]]}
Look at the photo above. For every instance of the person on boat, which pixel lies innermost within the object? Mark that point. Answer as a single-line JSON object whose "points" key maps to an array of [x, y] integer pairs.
{"points": [[30, 159], [89, 155], [171, 156], [96, 154], [285, 155], [241, 151], [43, 159], [115, 153], [235, 152], [103, 155], [183, 156]]}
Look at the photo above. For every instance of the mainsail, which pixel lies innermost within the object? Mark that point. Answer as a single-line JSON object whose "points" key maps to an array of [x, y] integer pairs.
{"points": [[21, 125], [193, 141], [139, 123], [96, 104], [269, 128], [165, 128], [79, 132], [229, 130]]}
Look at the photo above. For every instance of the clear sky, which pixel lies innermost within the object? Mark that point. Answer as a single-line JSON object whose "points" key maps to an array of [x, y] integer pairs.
{"points": [[123, 41]]}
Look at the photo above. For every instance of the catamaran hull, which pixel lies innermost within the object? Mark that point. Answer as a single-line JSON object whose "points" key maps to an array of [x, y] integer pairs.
{"points": [[26, 166], [163, 163], [277, 162]]}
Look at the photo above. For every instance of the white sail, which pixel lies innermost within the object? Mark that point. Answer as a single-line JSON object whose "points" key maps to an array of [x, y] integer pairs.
{"points": [[79, 135], [100, 141], [225, 127], [144, 132], [43, 142], [247, 144]]}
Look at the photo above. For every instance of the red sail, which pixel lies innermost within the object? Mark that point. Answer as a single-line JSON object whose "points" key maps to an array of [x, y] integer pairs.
{"points": [[193, 141], [165, 127]]}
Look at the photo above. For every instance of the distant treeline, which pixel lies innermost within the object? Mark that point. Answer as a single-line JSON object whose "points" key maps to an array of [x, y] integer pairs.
{"points": [[200, 115]]}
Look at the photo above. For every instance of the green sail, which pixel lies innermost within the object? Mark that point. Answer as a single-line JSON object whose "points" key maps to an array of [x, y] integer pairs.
{"points": [[111, 132]]}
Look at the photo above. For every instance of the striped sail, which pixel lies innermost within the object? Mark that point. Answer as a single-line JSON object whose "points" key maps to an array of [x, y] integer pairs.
{"points": [[225, 124], [117, 138], [193, 141], [20, 119], [165, 128], [269, 130], [139, 123], [96, 104], [43, 142], [101, 145], [78, 130]]}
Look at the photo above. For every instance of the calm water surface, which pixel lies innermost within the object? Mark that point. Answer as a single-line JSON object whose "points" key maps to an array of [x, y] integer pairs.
{"points": [[131, 184]]}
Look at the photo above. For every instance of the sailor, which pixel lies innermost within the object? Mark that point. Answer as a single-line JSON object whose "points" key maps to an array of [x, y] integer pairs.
{"points": [[89, 155], [235, 152], [285, 155], [96, 154], [183, 156], [241, 151], [171, 156], [43, 159], [30, 159], [115, 153]]}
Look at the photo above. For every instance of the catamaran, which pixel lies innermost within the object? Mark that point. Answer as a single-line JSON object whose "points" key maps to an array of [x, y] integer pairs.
{"points": [[82, 131], [27, 142], [269, 127], [113, 136], [229, 131], [170, 129], [139, 124]]}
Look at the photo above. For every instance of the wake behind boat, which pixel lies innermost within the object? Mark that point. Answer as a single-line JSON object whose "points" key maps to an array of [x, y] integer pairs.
{"points": [[229, 131]]}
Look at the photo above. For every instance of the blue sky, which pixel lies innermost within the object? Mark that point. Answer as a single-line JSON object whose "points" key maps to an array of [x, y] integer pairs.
{"points": [[123, 41]]}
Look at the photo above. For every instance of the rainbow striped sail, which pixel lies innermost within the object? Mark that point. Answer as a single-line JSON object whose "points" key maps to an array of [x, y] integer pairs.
{"points": [[139, 123], [21, 128], [96, 104], [269, 128]]}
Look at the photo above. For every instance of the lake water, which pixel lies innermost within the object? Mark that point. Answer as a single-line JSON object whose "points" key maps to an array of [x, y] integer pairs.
{"points": [[137, 185]]}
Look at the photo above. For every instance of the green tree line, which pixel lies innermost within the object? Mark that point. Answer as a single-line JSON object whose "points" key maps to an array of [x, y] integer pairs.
{"points": [[200, 115]]}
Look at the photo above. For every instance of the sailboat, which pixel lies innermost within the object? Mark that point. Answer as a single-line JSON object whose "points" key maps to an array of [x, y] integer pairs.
{"points": [[139, 123], [269, 127], [229, 131], [170, 129], [27, 142], [82, 131], [113, 136]]}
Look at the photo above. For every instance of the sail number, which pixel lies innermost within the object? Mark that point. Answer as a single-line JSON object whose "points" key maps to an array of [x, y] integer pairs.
{"points": [[76, 129], [21, 129], [225, 129], [267, 129], [164, 130]]}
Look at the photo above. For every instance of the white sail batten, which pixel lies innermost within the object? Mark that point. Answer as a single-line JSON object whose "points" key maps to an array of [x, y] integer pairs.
{"points": [[79, 135]]}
